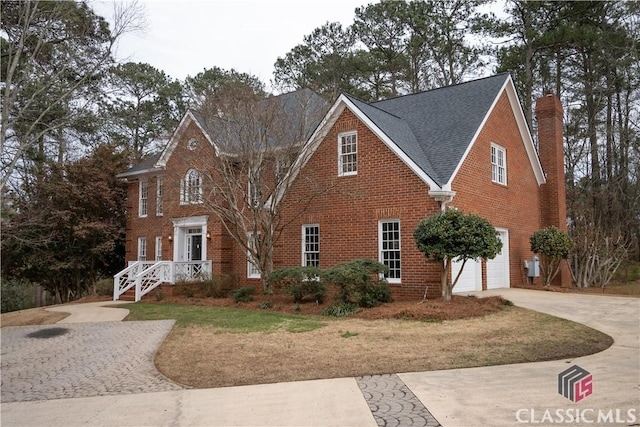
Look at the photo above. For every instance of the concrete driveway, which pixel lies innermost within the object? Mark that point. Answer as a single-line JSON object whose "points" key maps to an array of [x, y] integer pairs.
{"points": [[492, 396], [528, 393]]}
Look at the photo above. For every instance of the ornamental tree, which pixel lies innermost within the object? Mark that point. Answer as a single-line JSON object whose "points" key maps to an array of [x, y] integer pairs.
{"points": [[552, 245], [455, 236]]}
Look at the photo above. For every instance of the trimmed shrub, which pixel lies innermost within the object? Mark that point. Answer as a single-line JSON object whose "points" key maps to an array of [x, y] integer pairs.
{"points": [[243, 294], [375, 294], [299, 282], [360, 282]]}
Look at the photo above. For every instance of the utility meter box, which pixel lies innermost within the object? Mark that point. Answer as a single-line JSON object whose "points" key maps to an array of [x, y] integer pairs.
{"points": [[533, 269]]}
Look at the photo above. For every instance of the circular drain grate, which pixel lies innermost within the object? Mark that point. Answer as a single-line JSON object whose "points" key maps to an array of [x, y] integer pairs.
{"points": [[48, 333]]}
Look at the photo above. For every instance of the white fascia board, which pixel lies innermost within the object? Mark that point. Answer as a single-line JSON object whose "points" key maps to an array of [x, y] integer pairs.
{"points": [[175, 138], [532, 153], [140, 172], [522, 126]]}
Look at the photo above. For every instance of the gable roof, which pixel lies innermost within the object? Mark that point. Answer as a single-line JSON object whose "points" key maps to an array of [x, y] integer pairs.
{"points": [[303, 109], [444, 121], [148, 164], [433, 131]]}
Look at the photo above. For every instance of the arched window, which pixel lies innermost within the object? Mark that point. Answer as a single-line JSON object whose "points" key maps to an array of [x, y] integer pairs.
{"points": [[191, 187]]}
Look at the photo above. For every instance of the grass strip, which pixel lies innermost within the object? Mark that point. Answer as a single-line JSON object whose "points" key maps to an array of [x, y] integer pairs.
{"points": [[228, 319]]}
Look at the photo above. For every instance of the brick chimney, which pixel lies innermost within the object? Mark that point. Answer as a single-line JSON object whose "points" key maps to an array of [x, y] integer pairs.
{"points": [[549, 115]]}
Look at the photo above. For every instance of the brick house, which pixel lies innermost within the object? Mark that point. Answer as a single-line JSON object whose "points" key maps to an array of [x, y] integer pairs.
{"points": [[386, 165]]}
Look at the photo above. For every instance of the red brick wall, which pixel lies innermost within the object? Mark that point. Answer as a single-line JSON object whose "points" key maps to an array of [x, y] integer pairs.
{"points": [[181, 160], [549, 115], [349, 211], [515, 206], [348, 208], [148, 227]]}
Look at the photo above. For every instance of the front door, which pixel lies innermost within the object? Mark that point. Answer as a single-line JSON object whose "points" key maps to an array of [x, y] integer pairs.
{"points": [[194, 247]]}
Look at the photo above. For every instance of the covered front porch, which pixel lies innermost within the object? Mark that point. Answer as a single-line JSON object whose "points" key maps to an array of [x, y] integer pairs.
{"points": [[188, 248], [145, 276]]}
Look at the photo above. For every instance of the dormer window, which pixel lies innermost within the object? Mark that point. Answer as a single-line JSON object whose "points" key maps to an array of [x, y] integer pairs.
{"points": [[498, 164], [191, 188], [347, 153]]}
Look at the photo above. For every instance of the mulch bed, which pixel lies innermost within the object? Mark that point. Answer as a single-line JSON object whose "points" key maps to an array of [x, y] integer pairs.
{"points": [[459, 307]]}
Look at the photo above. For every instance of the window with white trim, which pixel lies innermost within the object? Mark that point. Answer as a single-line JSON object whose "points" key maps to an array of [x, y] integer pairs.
{"points": [[498, 164], [142, 248], [347, 153], [159, 190], [191, 188], [158, 248], [389, 247], [143, 198], [311, 245], [252, 271]]}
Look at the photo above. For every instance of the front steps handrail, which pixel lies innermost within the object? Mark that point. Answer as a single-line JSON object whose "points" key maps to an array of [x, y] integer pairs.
{"points": [[152, 277], [126, 279], [145, 276]]}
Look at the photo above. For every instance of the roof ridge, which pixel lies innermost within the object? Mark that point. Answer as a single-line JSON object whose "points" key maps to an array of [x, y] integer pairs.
{"points": [[444, 87], [374, 106]]}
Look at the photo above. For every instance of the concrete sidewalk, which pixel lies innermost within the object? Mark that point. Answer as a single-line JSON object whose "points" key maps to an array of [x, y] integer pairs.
{"points": [[92, 312], [495, 396], [336, 402]]}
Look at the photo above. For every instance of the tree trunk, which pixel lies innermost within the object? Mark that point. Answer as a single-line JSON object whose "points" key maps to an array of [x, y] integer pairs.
{"points": [[444, 283]]}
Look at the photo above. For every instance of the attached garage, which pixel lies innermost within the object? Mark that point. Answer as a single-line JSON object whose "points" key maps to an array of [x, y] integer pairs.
{"points": [[497, 270], [471, 278]]}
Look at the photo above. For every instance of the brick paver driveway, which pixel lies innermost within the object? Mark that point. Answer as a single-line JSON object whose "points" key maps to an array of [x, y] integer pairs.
{"points": [[82, 360]]}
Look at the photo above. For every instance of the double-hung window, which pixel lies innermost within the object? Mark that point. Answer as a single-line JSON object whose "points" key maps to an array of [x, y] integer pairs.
{"points": [[311, 245], [252, 271], [348, 153], [143, 198], [191, 191], [158, 248], [159, 190], [142, 248], [389, 247], [498, 164]]}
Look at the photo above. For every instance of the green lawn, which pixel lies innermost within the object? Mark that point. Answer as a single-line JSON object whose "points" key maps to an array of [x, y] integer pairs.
{"points": [[227, 319]]}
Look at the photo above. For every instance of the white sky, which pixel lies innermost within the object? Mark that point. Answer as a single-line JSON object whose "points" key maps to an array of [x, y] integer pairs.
{"points": [[184, 37]]}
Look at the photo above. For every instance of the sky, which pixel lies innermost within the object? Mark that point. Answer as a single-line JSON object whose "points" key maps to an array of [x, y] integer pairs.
{"points": [[184, 37]]}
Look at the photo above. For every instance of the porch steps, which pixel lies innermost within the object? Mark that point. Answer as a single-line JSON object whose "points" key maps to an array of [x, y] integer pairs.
{"points": [[130, 295]]}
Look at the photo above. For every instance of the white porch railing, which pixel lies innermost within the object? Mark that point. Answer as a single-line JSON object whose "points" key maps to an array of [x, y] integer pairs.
{"points": [[147, 275], [126, 279]]}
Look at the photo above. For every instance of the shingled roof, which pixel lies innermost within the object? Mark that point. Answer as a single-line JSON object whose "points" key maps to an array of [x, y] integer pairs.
{"points": [[434, 128], [301, 112]]}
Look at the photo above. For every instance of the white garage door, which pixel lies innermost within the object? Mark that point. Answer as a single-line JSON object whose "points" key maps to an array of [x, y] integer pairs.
{"points": [[471, 277], [498, 268]]}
